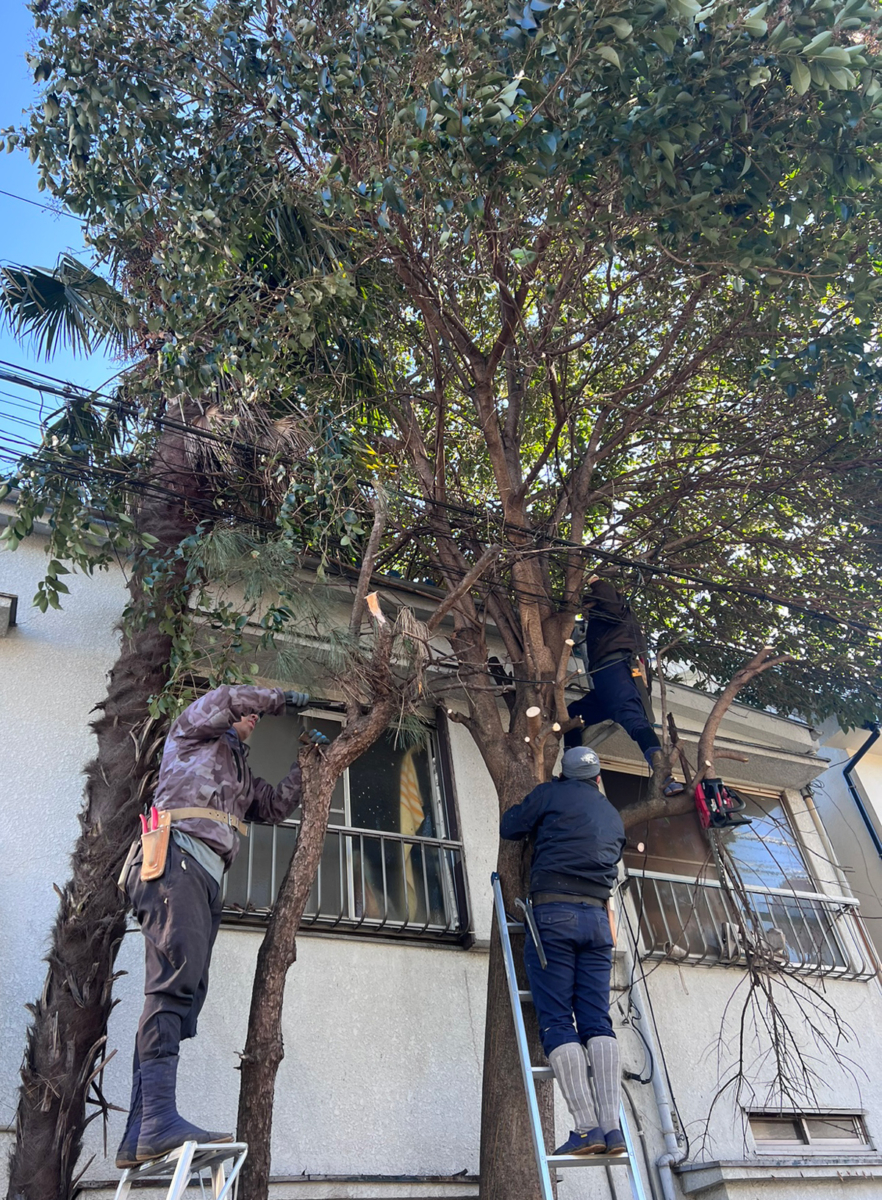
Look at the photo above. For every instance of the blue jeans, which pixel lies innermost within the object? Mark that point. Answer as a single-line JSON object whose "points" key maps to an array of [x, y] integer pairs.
{"points": [[571, 994], [615, 698]]}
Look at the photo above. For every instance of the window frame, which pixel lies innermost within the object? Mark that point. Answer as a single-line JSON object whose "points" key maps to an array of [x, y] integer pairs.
{"points": [[809, 1146], [454, 883], [846, 941]]}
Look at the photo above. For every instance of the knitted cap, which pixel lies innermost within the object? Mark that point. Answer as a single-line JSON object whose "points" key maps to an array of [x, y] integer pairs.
{"points": [[580, 762]]}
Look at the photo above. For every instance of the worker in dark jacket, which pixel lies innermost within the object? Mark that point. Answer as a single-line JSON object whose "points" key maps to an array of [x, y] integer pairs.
{"points": [[612, 639], [204, 771], [579, 840]]}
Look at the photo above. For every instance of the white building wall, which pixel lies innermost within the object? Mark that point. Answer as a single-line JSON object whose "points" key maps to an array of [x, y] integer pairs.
{"points": [[52, 669], [383, 1041], [852, 847]]}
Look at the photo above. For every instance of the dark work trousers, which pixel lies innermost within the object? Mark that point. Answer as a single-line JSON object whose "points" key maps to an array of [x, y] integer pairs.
{"points": [[615, 698], [571, 994], [179, 915]]}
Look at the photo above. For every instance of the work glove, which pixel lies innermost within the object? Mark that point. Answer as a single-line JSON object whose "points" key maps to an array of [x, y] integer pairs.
{"points": [[314, 737], [295, 700]]}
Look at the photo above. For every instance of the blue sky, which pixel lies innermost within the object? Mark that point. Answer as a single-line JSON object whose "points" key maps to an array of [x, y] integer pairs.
{"points": [[31, 235]]}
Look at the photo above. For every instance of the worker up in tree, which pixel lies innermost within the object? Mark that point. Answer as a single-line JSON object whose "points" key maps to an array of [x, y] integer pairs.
{"points": [[613, 641], [579, 840], [205, 793]]}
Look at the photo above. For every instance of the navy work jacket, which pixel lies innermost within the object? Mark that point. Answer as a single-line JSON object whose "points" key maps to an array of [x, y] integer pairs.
{"points": [[579, 837]]}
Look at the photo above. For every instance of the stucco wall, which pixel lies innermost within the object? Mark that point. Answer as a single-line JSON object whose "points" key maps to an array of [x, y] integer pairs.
{"points": [[53, 669], [383, 1041], [852, 847]]}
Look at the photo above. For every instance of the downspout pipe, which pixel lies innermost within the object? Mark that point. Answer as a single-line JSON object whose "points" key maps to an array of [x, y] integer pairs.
{"points": [[674, 1153], [873, 727]]}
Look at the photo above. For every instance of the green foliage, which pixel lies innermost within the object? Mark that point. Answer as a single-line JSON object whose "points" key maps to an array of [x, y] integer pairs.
{"points": [[72, 482], [69, 305], [586, 274]]}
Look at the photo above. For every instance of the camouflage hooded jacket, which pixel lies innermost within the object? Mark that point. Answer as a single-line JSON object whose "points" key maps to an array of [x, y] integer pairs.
{"points": [[204, 764]]}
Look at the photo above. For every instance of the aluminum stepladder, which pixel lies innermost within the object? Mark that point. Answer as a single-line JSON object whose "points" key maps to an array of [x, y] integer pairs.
{"points": [[189, 1159], [531, 1073]]}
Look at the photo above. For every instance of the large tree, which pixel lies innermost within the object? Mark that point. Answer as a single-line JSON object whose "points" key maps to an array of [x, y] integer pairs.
{"points": [[623, 311], [195, 512]]}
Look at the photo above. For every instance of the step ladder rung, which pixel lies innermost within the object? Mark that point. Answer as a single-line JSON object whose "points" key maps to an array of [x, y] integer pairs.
{"points": [[177, 1168], [514, 926], [542, 1073], [525, 995], [587, 1160]]}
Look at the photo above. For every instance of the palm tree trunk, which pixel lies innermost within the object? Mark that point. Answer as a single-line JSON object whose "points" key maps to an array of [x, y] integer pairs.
{"points": [[67, 1036]]}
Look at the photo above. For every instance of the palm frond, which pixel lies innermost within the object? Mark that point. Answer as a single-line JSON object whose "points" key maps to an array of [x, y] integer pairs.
{"points": [[409, 731], [68, 305]]}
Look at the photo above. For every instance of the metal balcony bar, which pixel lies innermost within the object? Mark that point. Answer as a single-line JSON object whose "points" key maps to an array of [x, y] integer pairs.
{"points": [[845, 901], [683, 920]]}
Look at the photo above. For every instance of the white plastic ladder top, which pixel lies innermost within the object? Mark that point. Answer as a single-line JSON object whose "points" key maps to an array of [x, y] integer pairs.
{"points": [[544, 1160], [187, 1160]]}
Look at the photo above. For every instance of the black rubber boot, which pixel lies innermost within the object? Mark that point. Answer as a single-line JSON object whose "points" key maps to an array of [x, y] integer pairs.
{"points": [[125, 1155], [162, 1129]]}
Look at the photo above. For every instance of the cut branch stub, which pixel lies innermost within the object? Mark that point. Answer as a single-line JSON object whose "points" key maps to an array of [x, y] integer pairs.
{"points": [[534, 722]]}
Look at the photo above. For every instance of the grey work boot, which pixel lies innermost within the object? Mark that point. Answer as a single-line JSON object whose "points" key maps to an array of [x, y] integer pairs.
{"points": [[162, 1129]]}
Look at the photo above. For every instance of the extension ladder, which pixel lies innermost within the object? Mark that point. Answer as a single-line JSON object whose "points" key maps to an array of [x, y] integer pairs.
{"points": [[186, 1161], [531, 1073]]}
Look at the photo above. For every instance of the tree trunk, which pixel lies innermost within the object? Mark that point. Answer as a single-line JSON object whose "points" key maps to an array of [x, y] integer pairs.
{"points": [[264, 1047], [66, 1039], [508, 1161]]}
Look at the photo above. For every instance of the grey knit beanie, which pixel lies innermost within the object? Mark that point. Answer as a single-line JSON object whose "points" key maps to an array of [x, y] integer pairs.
{"points": [[580, 762]]}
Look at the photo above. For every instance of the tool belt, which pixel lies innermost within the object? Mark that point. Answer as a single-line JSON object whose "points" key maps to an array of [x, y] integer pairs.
{"points": [[205, 814], [154, 842], [539, 898], [154, 845], [566, 898]]}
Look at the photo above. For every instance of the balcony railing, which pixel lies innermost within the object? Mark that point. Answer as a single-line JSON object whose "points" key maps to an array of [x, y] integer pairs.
{"points": [[698, 922], [367, 881]]}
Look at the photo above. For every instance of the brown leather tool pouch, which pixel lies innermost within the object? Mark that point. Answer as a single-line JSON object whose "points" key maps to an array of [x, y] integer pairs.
{"points": [[154, 843]]}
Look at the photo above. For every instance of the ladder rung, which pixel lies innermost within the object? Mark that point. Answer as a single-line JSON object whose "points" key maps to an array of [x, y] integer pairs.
{"points": [[587, 1160], [525, 995], [544, 1073], [515, 926]]}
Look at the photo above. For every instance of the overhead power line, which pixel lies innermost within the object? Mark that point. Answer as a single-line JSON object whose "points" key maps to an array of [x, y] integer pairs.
{"points": [[64, 389], [59, 212]]}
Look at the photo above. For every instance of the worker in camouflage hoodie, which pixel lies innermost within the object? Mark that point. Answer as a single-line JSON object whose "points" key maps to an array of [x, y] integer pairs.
{"points": [[204, 769]]}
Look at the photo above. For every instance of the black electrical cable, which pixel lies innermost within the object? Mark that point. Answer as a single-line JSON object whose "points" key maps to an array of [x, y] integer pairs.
{"points": [[638, 962], [642, 1139], [552, 543], [163, 422], [59, 212]]}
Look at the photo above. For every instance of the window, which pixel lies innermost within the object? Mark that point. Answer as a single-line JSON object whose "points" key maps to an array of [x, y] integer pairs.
{"points": [[391, 862], [686, 914], [814, 1133]]}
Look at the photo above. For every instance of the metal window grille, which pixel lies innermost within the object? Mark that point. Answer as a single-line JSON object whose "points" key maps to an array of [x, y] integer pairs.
{"points": [[379, 880], [367, 881], [697, 921]]}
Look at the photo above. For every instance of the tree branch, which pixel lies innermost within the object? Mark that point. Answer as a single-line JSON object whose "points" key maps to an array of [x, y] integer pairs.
{"points": [[367, 565], [465, 585]]}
